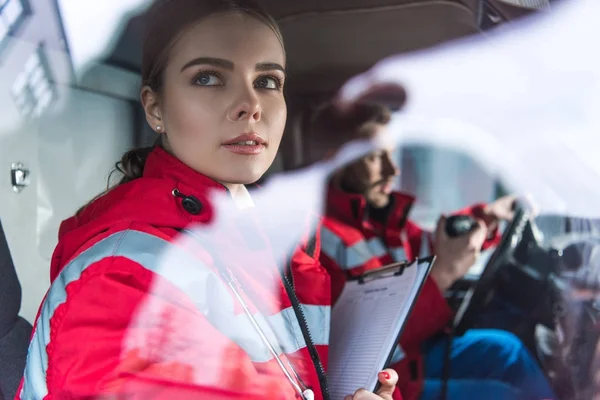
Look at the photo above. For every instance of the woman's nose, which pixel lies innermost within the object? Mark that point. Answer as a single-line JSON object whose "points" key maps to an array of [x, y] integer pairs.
{"points": [[247, 107]]}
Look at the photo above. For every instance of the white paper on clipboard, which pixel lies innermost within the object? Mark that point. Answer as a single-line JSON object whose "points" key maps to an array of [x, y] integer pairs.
{"points": [[366, 323]]}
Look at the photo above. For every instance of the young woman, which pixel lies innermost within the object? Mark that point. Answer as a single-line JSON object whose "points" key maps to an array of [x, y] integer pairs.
{"points": [[122, 321]]}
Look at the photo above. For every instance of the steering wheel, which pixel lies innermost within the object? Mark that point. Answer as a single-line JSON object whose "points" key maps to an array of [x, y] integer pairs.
{"points": [[480, 294]]}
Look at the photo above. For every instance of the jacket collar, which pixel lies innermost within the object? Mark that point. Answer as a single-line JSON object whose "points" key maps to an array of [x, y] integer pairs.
{"points": [[162, 165], [352, 208]]}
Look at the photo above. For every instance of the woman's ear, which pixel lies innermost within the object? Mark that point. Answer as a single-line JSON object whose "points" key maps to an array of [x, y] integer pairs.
{"points": [[151, 104]]}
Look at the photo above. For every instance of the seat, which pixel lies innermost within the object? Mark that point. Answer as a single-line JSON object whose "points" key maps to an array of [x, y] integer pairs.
{"points": [[15, 332]]}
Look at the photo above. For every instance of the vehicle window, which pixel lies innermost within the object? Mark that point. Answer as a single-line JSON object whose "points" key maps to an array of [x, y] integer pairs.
{"points": [[443, 180]]}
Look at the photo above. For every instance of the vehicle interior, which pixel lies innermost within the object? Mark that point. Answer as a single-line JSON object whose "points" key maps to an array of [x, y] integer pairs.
{"points": [[327, 42]]}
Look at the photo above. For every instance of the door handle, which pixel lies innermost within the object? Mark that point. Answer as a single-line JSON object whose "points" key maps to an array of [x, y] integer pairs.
{"points": [[19, 176]]}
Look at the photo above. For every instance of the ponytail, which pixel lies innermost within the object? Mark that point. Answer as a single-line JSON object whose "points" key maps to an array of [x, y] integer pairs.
{"points": [[131, 165]]}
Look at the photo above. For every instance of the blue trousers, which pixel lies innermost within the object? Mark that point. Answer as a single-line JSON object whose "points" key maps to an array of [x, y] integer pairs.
{"points": [[487, 365]]}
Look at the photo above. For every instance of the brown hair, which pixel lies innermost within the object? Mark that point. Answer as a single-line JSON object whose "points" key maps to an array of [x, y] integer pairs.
{"points": [[330, 127], [166, 20], [164, 23]]}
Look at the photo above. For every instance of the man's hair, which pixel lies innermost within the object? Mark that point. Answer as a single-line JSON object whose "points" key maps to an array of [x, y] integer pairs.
{"points": [[330, 126]]}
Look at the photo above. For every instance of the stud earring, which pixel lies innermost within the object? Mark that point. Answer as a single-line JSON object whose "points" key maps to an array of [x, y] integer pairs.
{"points": [[159, 128]]}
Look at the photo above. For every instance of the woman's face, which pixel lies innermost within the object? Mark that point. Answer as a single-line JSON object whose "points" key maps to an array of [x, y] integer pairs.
{"points": [[222, 106]]}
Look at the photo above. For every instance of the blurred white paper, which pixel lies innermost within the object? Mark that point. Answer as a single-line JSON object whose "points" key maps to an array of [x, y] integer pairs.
{"points": [[523, 100]]}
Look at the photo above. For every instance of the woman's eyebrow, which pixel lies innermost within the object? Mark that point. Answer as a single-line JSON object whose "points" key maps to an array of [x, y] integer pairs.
{"points": [[217, 62], [270, 66]]}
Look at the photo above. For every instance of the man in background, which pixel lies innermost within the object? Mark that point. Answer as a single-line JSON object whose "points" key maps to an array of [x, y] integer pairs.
{"points": [[366, 227]]}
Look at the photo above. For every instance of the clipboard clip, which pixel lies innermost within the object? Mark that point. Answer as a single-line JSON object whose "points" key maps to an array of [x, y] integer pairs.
{"points": [[394, 269]]}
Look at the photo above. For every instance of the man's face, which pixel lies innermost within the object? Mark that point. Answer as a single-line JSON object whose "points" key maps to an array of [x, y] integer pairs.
{"points": [[372, 176]]}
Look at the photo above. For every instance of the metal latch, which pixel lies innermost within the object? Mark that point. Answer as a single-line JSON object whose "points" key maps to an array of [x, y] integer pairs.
{"points": [[19, 177]]}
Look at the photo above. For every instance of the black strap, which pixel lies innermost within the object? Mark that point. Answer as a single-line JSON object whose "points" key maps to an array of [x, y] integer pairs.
{"points": [[446, 370], [448, 356], [311, 247], [312, 350]]}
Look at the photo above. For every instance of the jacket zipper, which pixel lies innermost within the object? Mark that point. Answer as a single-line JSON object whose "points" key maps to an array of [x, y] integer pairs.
{"points": [[314, 355]]}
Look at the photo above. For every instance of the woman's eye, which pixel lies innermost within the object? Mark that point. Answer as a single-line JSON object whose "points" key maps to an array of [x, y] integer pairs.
{"points": [[268, 82], [208, 79]]}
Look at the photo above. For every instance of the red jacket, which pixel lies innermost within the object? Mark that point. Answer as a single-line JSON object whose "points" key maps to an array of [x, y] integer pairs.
{"points": [[138, 308], [352, 243]]}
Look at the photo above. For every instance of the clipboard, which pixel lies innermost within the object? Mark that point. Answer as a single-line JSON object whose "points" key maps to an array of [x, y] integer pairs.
{"points": [[368, 321]]}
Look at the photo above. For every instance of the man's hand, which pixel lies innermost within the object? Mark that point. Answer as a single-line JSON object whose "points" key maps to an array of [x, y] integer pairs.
{"points": [[455, 255], [388, 379], [502, 209]]}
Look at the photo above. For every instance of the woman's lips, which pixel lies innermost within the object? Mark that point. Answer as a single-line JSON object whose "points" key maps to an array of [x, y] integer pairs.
{"points": [[248, 147], [246, 144]]}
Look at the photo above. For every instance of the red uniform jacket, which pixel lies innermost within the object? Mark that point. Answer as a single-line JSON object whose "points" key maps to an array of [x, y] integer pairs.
{"points": [[352, 243], [137, 308]]}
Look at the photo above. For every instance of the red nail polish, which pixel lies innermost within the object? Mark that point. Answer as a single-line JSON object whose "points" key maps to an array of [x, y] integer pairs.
{"points": [[386, 375]]}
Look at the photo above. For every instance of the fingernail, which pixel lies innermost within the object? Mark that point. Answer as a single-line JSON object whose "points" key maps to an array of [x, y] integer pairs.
{"points": [[386, 375]]}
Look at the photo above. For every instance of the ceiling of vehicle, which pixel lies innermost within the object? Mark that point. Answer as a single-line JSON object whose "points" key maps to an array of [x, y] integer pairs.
{"points": [[329, 41]]}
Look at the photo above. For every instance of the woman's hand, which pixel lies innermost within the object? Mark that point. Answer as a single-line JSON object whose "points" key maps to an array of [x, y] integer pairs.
{"points": [[388, 379], [455, 255]]}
